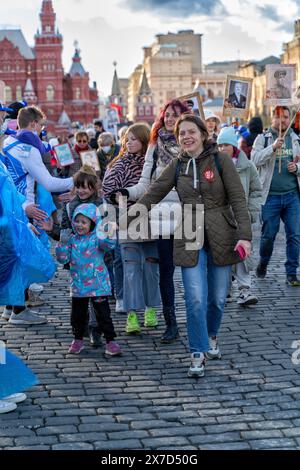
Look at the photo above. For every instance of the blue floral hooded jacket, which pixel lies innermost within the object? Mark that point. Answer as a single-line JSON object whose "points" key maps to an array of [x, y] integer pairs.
{"points": [[85, 253]]}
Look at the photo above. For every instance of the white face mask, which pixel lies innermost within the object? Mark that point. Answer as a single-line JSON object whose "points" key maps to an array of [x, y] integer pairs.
{"points": [[106, 148]]}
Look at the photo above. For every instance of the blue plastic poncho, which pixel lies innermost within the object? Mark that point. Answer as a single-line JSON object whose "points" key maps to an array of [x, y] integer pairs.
{"points": [[15, 376], [45, 203], [23, 258]]}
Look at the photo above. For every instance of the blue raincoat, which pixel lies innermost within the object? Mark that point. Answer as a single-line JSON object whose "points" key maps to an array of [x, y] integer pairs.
{"points": [[24, 259]]}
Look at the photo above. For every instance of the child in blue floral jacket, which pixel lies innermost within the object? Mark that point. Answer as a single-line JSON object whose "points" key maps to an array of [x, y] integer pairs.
{"points": [[85, 250]]}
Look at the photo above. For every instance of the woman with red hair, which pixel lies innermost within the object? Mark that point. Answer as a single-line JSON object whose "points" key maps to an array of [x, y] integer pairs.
{"points": [[161, 151]]}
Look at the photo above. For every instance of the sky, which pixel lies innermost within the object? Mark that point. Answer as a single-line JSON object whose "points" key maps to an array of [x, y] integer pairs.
{"points": [[117, 30]]}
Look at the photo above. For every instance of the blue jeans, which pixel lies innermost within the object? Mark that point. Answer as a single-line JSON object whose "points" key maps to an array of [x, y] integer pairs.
{"points": [[206, 287], [141, 275], [166, 271], [287, 208]]}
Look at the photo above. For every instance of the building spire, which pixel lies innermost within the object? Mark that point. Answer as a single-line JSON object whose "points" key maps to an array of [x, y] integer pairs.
{"points": [[144, 88], [77, 67], [116, 90], [48, 18], [29, 93]]}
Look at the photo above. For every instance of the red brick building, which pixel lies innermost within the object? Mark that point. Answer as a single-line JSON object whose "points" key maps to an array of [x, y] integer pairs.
{"points": [[37, 75]]}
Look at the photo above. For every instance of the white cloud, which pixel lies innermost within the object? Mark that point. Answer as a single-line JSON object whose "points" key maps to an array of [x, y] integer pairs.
{"points": [[108, 31]]}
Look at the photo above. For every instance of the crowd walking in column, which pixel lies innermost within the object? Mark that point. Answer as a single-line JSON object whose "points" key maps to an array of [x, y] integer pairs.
{"points": [[183, 193]]}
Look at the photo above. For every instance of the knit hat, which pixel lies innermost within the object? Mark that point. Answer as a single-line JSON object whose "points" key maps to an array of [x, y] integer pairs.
{"points": [[88, 170], [227, 136], [4, 108], [15, 108]]}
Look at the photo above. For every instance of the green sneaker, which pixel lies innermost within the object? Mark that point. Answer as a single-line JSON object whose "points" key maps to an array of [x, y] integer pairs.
{"points": [[292, 280], [132, 324], [150, 319]]}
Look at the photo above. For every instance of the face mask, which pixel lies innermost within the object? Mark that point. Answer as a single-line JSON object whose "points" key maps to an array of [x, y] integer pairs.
{"points": [[12, 124], [106, 148]]}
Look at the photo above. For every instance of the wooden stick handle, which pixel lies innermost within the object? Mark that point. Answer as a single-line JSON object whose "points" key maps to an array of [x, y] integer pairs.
{"points": [[280, 131], [290, 124]]}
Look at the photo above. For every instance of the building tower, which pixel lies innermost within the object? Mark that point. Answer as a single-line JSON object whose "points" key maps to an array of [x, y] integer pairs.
{"points": [[116, 98], [144, 102], [49, 69]]}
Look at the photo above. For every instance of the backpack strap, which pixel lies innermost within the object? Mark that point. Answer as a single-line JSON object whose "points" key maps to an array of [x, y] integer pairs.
{"points": [[218, 164], [177, 172], [155, 159], [266, 141]]}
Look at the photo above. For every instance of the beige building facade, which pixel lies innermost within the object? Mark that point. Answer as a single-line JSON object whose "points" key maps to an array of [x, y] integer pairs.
{"points": [[256, 70], [291, 50], [172, 64]]}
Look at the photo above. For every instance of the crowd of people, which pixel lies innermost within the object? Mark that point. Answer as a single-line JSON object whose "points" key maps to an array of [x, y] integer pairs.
{"points": [[182, 193]]}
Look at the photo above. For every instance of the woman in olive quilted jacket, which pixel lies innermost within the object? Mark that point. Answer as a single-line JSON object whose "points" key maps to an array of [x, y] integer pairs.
{"points": [[216, 231]]}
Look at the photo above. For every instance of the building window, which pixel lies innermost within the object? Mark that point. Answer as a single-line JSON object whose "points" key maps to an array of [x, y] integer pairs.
{"points": [[77, 93], [19, 93], [170, 95], [50, 93], [7, 94], [141, 111], [48, 29], [148, 111]]}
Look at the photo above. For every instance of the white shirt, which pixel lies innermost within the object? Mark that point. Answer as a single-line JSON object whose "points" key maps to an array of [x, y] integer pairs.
{"points": [[32, 164]]}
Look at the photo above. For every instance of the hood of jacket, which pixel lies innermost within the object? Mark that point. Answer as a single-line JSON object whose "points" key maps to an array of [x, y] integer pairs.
{"points": [[88, 210], [243, 162]]}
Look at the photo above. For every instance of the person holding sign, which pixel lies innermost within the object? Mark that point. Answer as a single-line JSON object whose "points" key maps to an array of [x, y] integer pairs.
{"points": [[276, 156]]}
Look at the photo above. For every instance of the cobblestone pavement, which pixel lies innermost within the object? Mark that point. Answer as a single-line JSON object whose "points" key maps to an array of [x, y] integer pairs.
{"points": [[144, 400]]}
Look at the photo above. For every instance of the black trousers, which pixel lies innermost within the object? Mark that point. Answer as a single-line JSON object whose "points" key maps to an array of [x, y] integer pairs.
{"points": [[79, 316]]}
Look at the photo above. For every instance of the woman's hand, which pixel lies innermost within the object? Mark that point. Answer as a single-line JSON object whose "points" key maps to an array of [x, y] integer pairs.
{"points": [[246, 246], [67, 197], [111, 229], [33, 212], [117, 197], [46, 225]]}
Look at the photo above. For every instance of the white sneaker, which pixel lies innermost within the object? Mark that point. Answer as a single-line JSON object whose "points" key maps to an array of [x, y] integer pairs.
{"points": [[36, 287], [6, 314], [27, 317], [119, 306], [197, 365], [7, 406], [246, 298], [214, 351], [16, 398]]}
